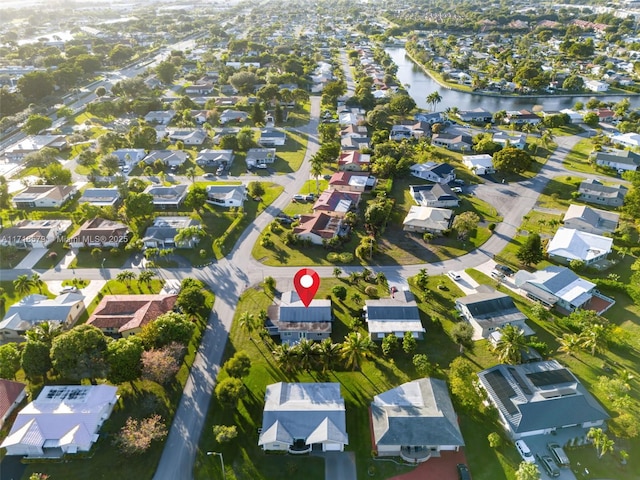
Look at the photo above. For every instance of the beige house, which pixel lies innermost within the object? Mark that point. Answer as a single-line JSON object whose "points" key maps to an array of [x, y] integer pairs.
{"points": [[590, 220], [427, 219]]}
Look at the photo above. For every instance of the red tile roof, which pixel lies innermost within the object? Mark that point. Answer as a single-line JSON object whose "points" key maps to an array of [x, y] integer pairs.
{"points": [[128, 312], [9, 393]]}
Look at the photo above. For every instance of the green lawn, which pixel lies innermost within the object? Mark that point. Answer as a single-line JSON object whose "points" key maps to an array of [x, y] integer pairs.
{"points": [[290, 156], [11, 257], [578, 160], [9, 296], [558, 192], [110, 258]]}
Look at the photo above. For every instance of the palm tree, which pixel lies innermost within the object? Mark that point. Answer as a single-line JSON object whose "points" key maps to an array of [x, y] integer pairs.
{"points": [[285, 357], [499, 116], [546, 138], [355, 348], [337, 271], [434, 98], [316, 170], [146, 276], [189, 235], [329, 353], [353, 278], [356, 298], [44, 332], [569, 343], [601, 441], [126, 277], [191, 173], [37, 282], [422, 279], [307, 352], [381, 278], [594, 338], [22, 285], [509, 347], [247, 322]]}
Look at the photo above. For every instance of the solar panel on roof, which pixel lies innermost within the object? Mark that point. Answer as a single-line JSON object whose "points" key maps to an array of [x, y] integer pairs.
{"points": [[550, 377], [502, 389], [520, 381]]}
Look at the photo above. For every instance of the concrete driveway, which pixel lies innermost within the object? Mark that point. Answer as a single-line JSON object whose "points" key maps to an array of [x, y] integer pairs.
{"points": [[538, 445], [339, 465]]}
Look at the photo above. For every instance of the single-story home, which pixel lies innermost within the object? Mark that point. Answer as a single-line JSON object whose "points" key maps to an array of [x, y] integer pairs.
{"points": [[100, 197], [318, 227], [561, 287], [596, 85], [35, 233], [337, 202], [354, 131], [621, 160], [433, 172], [520, 117], [64, 419], [352, 181], [627, 139], [427, 219], [539, 398], [167, 197], [11, 394], [517, 140], [590, 220], [349, 142], [477, 115], [260, 156], [292, 321], [227, 195], [171, 158], [129, 156], [162, 233], [434, 195], [124, 315], [452, 141], [300, 416], [354, 161], [44, 196], [214, 158], [272, 138], [488, 311], [160, 117], [195, 136], [100, 232], [570, 244], [593, 191], [415, 421], [233, 116], [34, 143], [398, 314], [35, 309], [479, 164]]}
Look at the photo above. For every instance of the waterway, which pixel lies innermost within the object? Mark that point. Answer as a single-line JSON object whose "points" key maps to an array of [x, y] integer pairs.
{"points": [[421, 85]]}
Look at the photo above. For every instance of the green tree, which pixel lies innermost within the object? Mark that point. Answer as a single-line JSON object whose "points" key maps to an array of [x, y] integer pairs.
{"points": [[196, 198], [433, 99], [509, 347], [44, 332], [126, 277], [138, 205], [462, 334], [495, 440], [355, 348], [461, 375], [257, 114], [22, 284], [239, 365], [80, 353], [401, 103], [409, 343], [340, 292], [225, 433], [244, 139], [190, 300], [530, 252], [465, 223], [594, 337], [244, 82], [527, 471], [167, 328], [9, 360], [390, 344], [422, 279], [573, 83], [229, 391], [602, 443], [56, 174], [307, 353], [110, 163], [35, 123], [256, 189], [35, 359], [591, 119], [124, 359], [37, 282], [34, 86], [146, 277], [511, 160], [421, 364], [166, 72]]}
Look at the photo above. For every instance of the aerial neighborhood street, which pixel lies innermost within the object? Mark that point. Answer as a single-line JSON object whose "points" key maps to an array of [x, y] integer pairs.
{"points": [[465, 183]]}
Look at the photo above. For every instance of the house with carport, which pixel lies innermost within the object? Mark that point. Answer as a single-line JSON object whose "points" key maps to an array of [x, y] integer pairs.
{"points": [[434, 195], [593, 191], [481, 164], [620, 160], [35, 233], [415, 421], [427, 219], [300, 417], [44, 196], [226, 195]]}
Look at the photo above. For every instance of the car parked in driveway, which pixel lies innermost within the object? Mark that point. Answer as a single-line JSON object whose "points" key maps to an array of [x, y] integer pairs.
{"points": [[298, 198], [558, 454], [504, 269], [208, 175], [456, 190], [69, 290], [548, 464], [463, 472], [524, 451], [454, 275]]}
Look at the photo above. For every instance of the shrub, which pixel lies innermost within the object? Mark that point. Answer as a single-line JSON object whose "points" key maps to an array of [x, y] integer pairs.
{"points": [[333, 257], [225, 433], [371, 291], [339, 292], [495, 440], [346, 257], [390, 344], [136, 436], [492, 226]]}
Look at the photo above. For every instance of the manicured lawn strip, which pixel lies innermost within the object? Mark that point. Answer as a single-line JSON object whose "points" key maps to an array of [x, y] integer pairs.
{"points": [[578, 160], [299, 116], [289, 157], [113, 258], [105, 461], [115, 287], [557, 194], [567, 130], [543, 223]]}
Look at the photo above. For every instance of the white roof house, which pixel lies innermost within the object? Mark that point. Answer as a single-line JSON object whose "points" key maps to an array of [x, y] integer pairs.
{"points": [[398, 314], [35, 309], [480, 164], [299, 415], [226, 195], [427, 219], [63, 419], [627, 139], [570, 244]]}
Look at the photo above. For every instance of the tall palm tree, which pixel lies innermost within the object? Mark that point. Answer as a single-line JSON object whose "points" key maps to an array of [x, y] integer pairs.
{"points": [[509, 347], [37, 282], [189, 235], [329, 354], [126, 277], [434, 98], [247, 322], [570, 343], [337, 271], [355, 348], [191, 173], [285, 357], [547, 138], [44, 332], [594, 338], [146, 276], [22, 284], [307, 352], [316, 170]]}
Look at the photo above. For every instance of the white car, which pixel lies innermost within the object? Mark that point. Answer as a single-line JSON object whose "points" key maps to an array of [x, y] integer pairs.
{"points": [[454, 275], [208, 175], [69, 290], [524, 451], [456, 190]]}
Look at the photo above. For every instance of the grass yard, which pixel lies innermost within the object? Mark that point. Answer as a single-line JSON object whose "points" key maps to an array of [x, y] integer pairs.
{"points": [[557, 194], [244, 460], [49, 260], [299, 116], [543, 223], [578, 160], [289, 157], [9, 296], [110, 258], [10, 257]]}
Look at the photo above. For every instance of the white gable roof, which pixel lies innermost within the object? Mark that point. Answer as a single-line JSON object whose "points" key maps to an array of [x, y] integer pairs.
{"points": [[576, 245]]}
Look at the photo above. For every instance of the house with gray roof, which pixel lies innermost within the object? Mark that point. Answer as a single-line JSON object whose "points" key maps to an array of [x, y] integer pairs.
{"points": [[433, 172], [561, 287], [162, 233], [171, 158], [44, 196], [300, 416], [292, 321], [434, 195], [167, 197], [488, 311], [539, 398], [226, 195], [35, 309], [415, 421], [477, 115], [569, 244], [621, 160], [257, 157], [35, 233], [129, 156], [214, 158], [160, 117], [590, 220], [270, 137], [100, 232], [100, 197], [593, 191], [397, 314]]}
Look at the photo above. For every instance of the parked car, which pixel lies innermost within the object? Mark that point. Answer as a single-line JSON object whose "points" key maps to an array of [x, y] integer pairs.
{"points": [[504, 269], [220, 170], [310, 198], [497, 274], [463, 472], [548, 464], [456, 190], [69, 290], [458, 181], [298, 198], [263, 166], [558, 454], [524, 451], [284, 220], [454, 275], [208, 175]]}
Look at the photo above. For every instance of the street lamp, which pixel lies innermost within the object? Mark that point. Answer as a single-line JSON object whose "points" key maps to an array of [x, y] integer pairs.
{"points": [[103, 260], [221, 461]]}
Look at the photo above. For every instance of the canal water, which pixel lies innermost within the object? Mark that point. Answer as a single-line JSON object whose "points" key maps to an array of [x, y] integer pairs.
{"points": [[421, 85]]}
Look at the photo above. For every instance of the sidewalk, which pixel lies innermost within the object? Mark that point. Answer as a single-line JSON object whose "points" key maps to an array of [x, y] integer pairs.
{"points": [[68, 258]]}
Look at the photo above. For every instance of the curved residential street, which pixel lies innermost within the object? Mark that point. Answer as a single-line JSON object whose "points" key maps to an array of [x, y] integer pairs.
{"points": [[229, 277]]}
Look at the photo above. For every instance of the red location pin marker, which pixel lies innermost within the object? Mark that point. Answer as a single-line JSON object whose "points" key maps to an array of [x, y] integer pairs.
{"points": [[306, 282]]}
